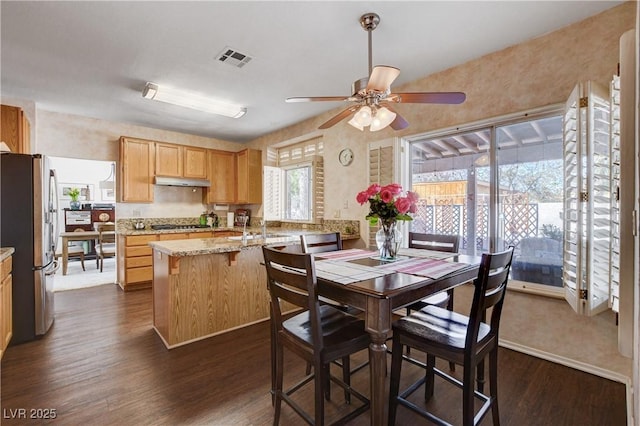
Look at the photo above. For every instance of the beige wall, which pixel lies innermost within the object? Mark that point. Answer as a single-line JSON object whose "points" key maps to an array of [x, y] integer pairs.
{"points": [[72, 136], [537, 73]]}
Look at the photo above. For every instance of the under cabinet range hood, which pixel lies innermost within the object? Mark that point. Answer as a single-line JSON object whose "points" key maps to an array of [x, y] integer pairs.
{"points": [[178, 181]]}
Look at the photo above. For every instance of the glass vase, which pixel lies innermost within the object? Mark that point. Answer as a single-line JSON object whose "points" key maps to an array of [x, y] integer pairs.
{"points": [[388, 239]]}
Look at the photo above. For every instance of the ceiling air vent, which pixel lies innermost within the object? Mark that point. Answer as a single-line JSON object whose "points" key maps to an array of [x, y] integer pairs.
{"points": [[233, 57]]}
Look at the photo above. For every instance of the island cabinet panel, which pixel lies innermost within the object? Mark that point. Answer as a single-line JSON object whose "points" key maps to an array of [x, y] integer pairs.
{"points": [[135, 264], [6, 305], [136, 171], [195, 297]]}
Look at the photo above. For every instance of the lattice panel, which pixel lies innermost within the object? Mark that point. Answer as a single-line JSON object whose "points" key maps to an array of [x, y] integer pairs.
{"points": [[447, 219], [520, 221], [423, 218]]}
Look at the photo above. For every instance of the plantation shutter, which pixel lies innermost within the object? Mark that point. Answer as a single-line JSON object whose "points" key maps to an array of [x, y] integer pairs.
{"points": [[382, 170], [318, 189], [272, 190], [308, 151]]}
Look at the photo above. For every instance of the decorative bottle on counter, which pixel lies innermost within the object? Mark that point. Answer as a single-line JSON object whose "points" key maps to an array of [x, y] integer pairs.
{"points": [[203, 218]]}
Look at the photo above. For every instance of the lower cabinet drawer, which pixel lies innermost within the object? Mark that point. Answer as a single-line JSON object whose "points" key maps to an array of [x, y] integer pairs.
{"points": [[136, 262], [136, 275], [138, 251]]}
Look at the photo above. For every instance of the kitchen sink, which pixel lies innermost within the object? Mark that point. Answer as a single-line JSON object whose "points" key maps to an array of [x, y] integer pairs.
{"points": [[258, 236]]}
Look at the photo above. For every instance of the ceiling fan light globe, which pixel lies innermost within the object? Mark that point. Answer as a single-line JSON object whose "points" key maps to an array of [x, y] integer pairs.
{"points": [[363, 116], [355, 124], [382, 119]]}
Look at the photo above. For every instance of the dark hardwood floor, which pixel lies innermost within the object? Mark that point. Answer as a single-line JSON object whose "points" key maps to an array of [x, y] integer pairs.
{"points": [[102, 364]]}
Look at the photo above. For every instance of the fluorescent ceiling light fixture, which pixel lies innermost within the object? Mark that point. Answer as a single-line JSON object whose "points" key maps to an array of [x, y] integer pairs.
{"points": [[191, 100]]}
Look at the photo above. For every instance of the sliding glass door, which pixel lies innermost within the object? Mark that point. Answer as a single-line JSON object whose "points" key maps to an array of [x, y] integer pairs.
{"points": [[496, 186]]}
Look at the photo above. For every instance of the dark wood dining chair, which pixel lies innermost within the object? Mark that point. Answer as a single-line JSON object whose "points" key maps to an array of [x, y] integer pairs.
{"points": [[437, 242], [106, 243], [444, 299], [319, 243], [319, 335], [465, 340], [322, 243]]}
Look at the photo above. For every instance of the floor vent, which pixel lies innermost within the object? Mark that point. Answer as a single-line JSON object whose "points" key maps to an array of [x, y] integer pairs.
{"points": [[233, 57]]}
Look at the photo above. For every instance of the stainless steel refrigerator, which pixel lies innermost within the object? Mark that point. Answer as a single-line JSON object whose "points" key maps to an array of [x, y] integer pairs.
{"points": [[29, 224]]}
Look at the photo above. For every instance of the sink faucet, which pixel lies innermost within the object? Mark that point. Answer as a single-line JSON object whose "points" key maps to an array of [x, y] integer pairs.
{"points": [[264, 228], [244, 230]]}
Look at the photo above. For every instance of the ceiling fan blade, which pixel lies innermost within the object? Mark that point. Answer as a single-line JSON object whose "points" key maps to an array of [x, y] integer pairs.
{"points": [[428, 97], [399, 123], [381, 78], [337, 118], [317, 98]]}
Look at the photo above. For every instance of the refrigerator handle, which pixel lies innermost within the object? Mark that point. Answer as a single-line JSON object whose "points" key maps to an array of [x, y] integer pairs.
{"points": [[54, 208]]}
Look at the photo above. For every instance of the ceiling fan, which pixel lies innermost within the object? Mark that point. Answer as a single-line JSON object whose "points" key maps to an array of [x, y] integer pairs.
{"points": [[372, 98]]}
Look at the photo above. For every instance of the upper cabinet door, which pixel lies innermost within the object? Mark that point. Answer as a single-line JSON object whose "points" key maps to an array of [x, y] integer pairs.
{"points": [[16, 132], [137, 161], [168, 160], [249, 176], [222, 175], [587, 199], [195, 162]]}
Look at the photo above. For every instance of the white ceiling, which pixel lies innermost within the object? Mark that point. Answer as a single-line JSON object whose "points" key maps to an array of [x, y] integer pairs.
{"points": [[94, 58]]}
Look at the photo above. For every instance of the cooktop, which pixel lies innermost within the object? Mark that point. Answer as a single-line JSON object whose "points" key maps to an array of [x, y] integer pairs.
{"points": [[173, 226]]}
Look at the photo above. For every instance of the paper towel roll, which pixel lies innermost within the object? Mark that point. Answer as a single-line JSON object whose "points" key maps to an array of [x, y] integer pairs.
{"points": [[230, 219]]}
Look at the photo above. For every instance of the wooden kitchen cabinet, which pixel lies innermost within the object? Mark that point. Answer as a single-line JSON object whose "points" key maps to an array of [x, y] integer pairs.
{"points": [[168, 160], [195, 162], [221, 172], [181, 161], [179, 236], [15, 129], [135, 262], [6, 309], [200, 235], [136, 171], [249, 176]]}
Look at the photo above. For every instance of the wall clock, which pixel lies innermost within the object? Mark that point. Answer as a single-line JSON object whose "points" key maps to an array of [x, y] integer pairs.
{"points": [[345, 157]]}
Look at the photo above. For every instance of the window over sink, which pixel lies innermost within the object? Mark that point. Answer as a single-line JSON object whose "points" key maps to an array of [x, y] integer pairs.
{"points": [[294, 189]]}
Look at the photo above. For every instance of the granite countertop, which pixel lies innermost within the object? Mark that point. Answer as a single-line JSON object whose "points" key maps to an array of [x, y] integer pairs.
{"points": [[145, 231], [199, 246], [6, 252]]}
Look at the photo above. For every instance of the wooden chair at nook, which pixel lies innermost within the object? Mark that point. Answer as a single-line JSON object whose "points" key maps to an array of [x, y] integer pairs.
{"points": [[106, 243], [437, 242], [319, 335], [465, 340], [319, 243]]}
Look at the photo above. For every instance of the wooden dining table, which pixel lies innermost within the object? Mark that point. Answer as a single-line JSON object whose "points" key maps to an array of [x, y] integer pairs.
{"points": [[378, 298], [75, 236]]}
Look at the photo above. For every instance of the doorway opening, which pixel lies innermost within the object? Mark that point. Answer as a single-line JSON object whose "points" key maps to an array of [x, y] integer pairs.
{"points": [[94, 181]]}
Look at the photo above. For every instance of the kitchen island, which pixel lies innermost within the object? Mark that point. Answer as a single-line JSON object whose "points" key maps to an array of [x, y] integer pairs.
{"points": [[203, 287]]}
